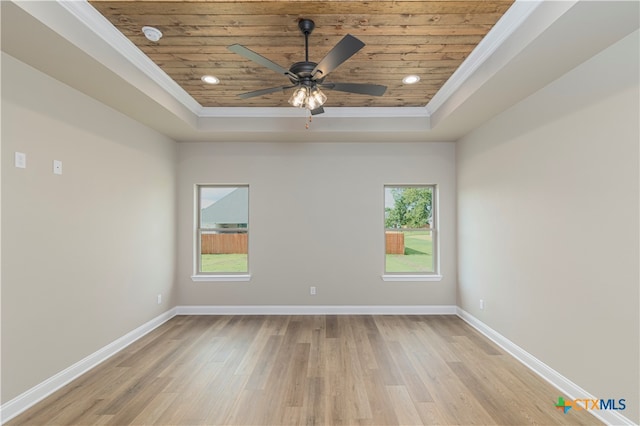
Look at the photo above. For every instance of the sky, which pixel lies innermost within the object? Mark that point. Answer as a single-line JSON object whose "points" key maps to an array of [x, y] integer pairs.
{"points": [[388, 198], [211, 195]]}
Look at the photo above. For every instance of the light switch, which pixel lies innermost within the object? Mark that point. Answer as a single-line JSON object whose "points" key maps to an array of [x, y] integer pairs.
{"points": [[21, 160], [57, 167]]}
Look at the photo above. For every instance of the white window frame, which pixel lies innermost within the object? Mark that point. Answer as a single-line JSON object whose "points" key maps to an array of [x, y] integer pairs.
{"points": [[435, 238], [198, 275]]}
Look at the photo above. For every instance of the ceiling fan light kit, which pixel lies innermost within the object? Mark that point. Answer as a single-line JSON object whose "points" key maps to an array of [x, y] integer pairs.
{"points": [[311, 99], [306, 77], [299, 97]]}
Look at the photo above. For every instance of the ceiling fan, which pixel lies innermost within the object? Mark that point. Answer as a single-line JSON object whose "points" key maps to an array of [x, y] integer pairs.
{"points": [[308, 77]]}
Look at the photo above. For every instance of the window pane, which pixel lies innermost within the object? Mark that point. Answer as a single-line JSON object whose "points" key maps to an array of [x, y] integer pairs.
{"points": [[223, 251], [409, 220], [409, 251], [223, 229], [224, 207]]}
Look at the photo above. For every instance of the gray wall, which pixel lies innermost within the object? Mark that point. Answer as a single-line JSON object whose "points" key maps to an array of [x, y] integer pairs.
{"points": [[548, 224], [85, 254], [316, 218]]}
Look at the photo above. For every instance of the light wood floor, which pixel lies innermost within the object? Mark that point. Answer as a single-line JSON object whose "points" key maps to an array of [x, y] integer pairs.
{"points": [[307, 370]]}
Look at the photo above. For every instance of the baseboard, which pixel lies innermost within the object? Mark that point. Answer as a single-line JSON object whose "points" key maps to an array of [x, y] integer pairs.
{"points": [[37, 393], [564, 385], [317, 310], [27, 399]]}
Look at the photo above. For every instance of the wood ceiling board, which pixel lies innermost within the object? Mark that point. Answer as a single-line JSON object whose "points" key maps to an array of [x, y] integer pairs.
{"points": [[406, 37]]}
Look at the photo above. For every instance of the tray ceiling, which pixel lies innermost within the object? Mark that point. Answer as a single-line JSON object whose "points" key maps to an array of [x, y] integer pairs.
{"points": [[528, 46], [430, 39]]}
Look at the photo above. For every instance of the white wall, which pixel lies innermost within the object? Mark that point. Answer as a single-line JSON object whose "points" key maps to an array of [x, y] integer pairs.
{"points": [[548, 224], [316, 219], [84, 254]]}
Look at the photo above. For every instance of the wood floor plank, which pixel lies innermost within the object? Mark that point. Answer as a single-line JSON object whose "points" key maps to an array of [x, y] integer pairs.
{"points": [[296, 379], [317, 354], [414, 383], [382, 409], [152, 412], [403, 406], [388, 368], [331, 330], [307, 370], [315, 402], [431, 414], [264, 363]]}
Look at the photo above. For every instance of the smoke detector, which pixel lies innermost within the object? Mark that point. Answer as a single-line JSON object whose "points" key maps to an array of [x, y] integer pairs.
{"points": [[152, 34]]}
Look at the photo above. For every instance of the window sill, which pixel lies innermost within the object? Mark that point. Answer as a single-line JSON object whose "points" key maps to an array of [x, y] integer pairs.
{"points": [[212, 278], [392, 277]]}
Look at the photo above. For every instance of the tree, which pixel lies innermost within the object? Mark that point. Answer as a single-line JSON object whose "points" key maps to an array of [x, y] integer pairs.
{"points": [[412, 208]]}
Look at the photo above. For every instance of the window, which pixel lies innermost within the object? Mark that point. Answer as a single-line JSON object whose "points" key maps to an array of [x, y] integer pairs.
{"points": [[222, 234], [410, 229]]}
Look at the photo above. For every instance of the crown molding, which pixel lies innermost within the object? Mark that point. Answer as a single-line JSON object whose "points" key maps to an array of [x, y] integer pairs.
{"points": [[96, 22], [501, 31]]}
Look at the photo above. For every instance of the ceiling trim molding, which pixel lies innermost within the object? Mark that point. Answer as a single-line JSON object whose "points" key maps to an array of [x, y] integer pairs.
{"points": [[92, 19], [342, 112], [501, 31]]}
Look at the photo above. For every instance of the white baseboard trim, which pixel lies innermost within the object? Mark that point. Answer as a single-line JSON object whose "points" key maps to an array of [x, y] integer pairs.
{"points": [[556, 379], [27, 399], [317, 310], [37, 393]]}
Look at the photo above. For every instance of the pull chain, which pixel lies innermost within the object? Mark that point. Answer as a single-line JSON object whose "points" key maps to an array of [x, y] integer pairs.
{"points": [[306, 126]]}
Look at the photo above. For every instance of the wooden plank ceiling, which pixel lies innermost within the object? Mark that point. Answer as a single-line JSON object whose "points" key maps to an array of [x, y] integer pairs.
{"points": [[427, 38]]}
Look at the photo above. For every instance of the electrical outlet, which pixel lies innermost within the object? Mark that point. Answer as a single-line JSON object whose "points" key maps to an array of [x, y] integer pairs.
{"points": [[57, 167], [312, 291], [481, 304], [160, 298], [21, 160]]}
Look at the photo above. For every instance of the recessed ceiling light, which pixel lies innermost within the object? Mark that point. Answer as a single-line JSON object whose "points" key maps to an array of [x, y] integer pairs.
{"points": [[210, 79], [152, 34], [411, 79]]}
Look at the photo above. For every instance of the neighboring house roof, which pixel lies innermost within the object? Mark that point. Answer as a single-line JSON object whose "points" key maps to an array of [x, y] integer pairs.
{"points": [[233, 208]]}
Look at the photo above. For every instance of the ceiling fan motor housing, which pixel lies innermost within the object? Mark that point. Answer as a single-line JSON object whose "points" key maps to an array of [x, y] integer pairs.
{"points": [[303, 71]]}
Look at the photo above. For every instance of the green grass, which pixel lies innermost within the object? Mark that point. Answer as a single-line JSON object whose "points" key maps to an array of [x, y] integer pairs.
{"points": [[224, 263], [418, 254], [417, 257]]}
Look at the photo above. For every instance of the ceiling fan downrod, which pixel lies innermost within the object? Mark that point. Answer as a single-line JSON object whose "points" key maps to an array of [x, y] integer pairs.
{"points": [[306, 27]]}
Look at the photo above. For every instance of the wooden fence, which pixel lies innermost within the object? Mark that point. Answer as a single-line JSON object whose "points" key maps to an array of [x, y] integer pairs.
{"points": [[394, 242], [238, 243], [224, 243]]}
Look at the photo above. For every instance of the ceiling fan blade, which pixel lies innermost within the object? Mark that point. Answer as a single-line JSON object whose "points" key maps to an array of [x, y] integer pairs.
{"points": [[259, 59], [263, 92], [346, 48], [363, 89], [317, 111]]}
